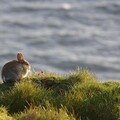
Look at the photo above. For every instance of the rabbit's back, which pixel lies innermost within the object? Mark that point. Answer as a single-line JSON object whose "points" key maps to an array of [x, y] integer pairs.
{"points": [[13, 71]]}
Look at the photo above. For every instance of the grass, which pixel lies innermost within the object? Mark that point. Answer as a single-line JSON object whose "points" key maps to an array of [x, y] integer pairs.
{"points": [[41, 113], [49, 96]]}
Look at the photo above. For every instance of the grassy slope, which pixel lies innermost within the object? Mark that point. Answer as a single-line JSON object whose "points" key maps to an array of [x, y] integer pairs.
{"points": [[49, 96]]}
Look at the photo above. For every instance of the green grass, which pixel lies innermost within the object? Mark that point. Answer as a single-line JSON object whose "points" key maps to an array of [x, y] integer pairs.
{"points": [[49, 96], [42, 113], [4, 114]]}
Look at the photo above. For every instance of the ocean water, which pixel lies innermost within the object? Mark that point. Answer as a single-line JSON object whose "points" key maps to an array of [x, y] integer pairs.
{"points": [[61, 35]]}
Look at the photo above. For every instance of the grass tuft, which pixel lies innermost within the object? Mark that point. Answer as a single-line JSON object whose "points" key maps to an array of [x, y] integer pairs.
{"points": [[42, 113], [4, 114], [22, 95]]}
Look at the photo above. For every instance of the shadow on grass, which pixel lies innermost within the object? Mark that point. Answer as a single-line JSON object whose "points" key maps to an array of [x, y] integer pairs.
{"points": [[5, 86], [62, 84]]}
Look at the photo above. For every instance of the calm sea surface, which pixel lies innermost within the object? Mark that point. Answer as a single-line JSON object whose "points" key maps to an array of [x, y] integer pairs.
{"points": [[61, 35]]}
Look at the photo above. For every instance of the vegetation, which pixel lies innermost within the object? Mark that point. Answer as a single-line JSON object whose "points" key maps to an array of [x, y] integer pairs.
{"points": [[49, 96]]}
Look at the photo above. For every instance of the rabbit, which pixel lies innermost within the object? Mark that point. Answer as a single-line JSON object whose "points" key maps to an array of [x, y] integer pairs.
{"points": [[15, 70]]}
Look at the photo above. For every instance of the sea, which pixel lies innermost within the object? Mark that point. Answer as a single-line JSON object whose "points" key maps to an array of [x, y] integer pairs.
{"points": [[63, 35]]}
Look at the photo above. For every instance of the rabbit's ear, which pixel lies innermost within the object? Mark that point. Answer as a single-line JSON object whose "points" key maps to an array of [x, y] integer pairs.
{"points": [[20, 57]]}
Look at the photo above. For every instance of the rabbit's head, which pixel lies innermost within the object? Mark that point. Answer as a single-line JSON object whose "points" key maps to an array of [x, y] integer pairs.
{"points": [[22, 61]]}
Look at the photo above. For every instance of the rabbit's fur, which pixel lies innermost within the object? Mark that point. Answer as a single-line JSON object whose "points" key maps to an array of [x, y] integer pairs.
{"points": [[16, 69]]}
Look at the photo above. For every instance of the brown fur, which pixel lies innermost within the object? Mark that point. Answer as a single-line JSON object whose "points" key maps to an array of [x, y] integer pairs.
{"points": [[15, 69]]}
